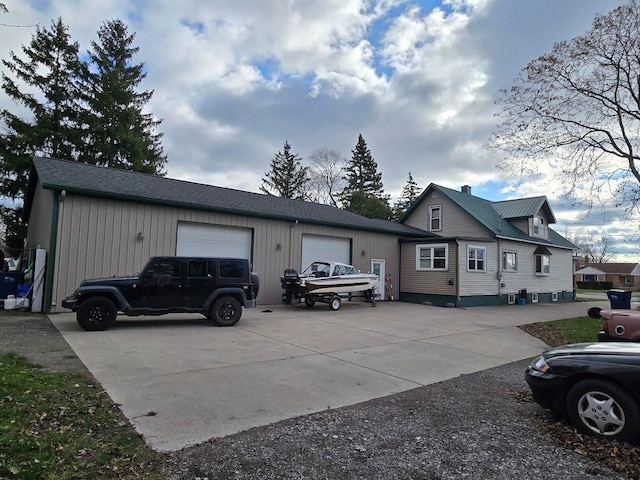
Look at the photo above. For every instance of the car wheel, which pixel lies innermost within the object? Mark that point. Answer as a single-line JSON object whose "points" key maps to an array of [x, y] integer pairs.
{"points": [[602, 409], [96, 314], [309, 301], [226, 312], [594, 312], [335, 303]]}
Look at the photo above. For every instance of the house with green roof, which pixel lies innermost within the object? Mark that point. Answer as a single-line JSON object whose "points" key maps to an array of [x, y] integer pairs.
{"points": [[450, 248], [485, 252]]}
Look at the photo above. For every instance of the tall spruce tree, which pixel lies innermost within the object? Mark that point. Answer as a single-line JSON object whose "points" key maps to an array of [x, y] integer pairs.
{"points": [[410, 193], [364, 192], [43, 81], [288, 177], [117, 132]]}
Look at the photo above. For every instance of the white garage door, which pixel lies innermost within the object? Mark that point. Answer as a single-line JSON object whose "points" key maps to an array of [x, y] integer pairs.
{"points": [[331, 249], [198, 240]]}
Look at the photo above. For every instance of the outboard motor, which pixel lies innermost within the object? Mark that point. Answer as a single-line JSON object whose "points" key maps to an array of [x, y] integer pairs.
{"points": [[291, 284]]}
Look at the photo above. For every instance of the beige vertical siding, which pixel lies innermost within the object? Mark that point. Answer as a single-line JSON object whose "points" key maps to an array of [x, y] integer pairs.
{"points": [[98, 237], [455, 222]]}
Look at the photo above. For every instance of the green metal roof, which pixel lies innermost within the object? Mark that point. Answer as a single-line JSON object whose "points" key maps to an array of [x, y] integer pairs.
{"points": [[489, 214]]}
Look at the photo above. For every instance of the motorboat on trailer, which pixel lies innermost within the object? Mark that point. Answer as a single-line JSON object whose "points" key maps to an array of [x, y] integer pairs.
{"points": [[327, 282]]}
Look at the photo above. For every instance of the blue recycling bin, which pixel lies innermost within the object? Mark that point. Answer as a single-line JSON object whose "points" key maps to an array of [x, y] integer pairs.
{"points": [[619, 299], [9, 282]]}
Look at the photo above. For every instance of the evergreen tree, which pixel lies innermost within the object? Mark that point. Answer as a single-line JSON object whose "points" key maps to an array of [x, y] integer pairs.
{"points": [[364, 192], [117, 133], [410, 193], [44, 82], [287, 177]]}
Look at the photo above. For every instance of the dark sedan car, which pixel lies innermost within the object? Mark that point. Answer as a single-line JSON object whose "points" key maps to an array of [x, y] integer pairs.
{"points": [[595, 385]]}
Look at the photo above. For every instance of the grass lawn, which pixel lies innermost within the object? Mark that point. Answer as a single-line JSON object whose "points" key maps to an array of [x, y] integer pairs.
{"points": [[65, 426], [568, 330]]}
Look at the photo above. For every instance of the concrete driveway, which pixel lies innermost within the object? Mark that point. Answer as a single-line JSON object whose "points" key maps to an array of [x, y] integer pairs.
{"points": [[182, 381]]}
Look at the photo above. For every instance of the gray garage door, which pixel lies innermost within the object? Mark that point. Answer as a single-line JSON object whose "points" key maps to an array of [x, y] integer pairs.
{"points": [[202, 240], [320, 247]]}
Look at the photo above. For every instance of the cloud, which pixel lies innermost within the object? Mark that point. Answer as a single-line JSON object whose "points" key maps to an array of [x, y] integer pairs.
{"points": [[234, 79]]}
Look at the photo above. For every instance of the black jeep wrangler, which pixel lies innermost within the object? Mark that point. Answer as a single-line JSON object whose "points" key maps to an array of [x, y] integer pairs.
{"points": [[215, 287]]}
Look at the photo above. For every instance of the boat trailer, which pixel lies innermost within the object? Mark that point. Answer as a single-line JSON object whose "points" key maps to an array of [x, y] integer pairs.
{"points": [[295, 293]]}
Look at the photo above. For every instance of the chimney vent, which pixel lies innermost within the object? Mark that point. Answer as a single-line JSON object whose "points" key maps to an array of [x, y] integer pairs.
{"points": [[466, 189]]}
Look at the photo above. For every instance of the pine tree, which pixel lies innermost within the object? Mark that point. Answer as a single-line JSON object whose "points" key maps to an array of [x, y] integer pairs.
{"points": [[410, 193], [44, 82], [364, 192], [117, 133], [288, 177]]}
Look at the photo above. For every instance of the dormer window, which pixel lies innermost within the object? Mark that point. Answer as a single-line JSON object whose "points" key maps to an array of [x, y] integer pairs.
{"points": [[538, 227]]}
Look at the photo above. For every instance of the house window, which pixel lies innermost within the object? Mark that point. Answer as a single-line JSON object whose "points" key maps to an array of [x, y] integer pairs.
{"points": [[534, 298], [435, 218], [543, 264], [509, 261], [590, 278], [511, 298], [538, 227], [432, 257], [476, 258]]}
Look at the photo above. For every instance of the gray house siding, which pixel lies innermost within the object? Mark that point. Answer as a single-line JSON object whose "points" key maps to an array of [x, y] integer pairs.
{"points": [[99, 237], [479, 283]]}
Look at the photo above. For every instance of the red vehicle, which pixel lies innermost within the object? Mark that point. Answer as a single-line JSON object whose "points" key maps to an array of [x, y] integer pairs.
{"points": [[620, 326]]}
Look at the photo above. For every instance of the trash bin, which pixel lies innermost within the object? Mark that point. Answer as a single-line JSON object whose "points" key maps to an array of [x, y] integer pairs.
{"points": [[619, 299], [9, 282]]}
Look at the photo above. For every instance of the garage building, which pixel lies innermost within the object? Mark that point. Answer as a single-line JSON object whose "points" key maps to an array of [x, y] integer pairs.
{"points": [[96, 222]]}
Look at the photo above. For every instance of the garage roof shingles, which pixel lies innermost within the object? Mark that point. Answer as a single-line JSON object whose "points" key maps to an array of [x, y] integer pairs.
{"points": [[90, 180]]}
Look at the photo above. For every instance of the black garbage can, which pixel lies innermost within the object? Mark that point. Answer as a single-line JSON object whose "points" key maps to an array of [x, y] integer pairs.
{"points": [[619, 299]]}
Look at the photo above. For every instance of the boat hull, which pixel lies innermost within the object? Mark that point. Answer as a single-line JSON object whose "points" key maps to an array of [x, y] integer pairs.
{"points": [[345, 284]]}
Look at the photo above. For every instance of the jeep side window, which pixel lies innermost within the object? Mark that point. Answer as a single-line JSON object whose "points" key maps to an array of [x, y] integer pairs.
{"points": [[231, 269], [198, 269]]}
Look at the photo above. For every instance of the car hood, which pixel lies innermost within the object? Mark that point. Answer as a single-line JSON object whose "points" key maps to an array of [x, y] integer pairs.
{"points": [[600, 348], [108, 281]]}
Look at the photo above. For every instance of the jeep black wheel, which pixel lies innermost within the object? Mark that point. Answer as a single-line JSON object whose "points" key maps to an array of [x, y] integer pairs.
{"points": [[96, 313], [225, 312]]}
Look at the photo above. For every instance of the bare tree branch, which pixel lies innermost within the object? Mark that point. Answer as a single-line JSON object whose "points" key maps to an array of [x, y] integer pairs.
{"points": [[577, 108]]}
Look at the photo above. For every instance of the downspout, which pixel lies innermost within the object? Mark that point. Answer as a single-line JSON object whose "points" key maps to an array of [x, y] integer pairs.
{"points": [[457, 271], [53, 245]]}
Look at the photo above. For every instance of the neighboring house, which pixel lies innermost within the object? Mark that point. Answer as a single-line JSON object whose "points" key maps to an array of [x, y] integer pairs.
{"points": [[96, 221], [621, 275], [450, 248], [485, 253]]}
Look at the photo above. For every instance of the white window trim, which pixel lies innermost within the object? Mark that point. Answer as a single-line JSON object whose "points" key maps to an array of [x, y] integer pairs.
{"points": [[511, 298], [554, 296], [484, 259], [504, 253], [431, 208], [539, 223], [433, 246], [534, 298], [535, 266]]}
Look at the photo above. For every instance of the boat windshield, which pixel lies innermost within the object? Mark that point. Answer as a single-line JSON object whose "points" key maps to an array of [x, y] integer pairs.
{"points": [[318, 269], [344, 270]]}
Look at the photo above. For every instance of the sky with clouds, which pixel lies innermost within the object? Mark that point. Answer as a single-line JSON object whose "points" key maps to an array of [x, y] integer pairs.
{"points": [[235, 79]]}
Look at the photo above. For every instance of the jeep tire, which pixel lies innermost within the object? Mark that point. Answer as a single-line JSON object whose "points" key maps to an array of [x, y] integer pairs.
{"points": [[96, 314], [225, 312]]}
